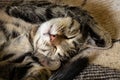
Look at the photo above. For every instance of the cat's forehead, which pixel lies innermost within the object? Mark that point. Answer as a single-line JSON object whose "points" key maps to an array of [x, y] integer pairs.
{"points": [[60, 22], [62, 18], [59, 26]]}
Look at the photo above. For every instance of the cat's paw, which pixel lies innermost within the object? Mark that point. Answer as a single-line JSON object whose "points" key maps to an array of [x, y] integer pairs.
{"points": [[47, 62], [42, 74], [50, 64]]}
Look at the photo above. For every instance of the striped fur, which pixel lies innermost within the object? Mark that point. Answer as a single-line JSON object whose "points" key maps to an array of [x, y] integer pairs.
{"points": [[36, 38]]}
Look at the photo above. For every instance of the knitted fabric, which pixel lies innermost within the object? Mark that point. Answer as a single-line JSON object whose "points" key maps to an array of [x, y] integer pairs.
{"points": [[97, 72]]}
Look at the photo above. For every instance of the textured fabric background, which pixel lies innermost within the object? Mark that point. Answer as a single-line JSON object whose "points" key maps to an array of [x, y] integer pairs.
{"points": [[95, 72]]}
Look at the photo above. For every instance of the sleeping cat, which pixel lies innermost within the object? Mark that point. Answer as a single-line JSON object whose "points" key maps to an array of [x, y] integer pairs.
{"points": [[37, 38]]}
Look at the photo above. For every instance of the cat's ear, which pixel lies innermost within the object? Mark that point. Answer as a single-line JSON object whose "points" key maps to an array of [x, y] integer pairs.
{"points": [[95, 35]]}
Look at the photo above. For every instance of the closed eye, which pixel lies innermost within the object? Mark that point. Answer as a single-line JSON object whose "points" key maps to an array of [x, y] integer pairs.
{"points": [[66, 37]]}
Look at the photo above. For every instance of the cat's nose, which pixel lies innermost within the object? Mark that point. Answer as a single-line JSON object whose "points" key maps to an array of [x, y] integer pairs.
{"points": [[52, 37]]}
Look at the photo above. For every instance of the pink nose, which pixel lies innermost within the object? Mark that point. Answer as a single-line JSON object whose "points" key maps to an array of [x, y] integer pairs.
{"points": [[52, 37]]}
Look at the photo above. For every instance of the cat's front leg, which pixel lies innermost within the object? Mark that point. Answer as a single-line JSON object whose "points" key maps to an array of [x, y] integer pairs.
{"points": [[70, 70]]}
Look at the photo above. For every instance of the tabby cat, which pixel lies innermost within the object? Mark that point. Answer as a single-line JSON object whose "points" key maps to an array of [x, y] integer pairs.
{"points": [[36, 39]]}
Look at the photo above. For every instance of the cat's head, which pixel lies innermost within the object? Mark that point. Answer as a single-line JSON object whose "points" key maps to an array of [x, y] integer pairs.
{"points": [[60, 38]]}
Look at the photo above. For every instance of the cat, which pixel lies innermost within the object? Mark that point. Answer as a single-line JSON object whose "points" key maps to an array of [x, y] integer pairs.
{"points": [[36, 39]]}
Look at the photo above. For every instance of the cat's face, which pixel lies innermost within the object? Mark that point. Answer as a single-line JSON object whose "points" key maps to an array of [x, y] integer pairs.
{"points": [[58, 38]]}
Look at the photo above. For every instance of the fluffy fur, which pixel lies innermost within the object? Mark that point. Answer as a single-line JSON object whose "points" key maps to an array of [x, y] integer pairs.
{"points": [[36, 38]]}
